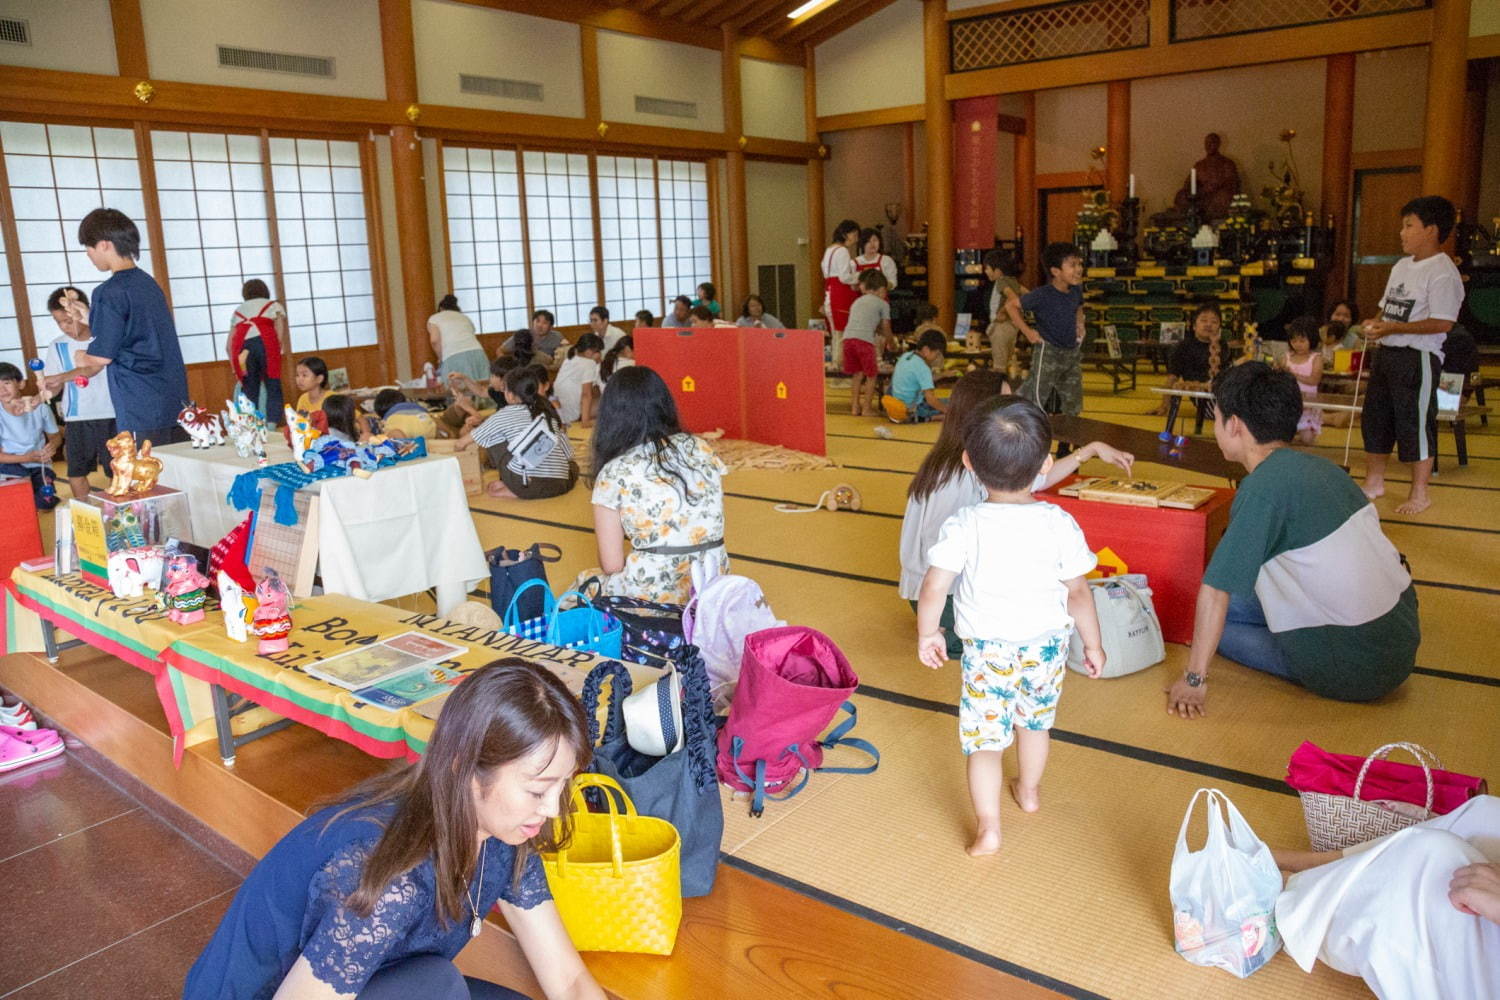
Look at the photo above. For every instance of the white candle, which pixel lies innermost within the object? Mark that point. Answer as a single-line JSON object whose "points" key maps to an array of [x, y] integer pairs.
{"points": [[1132, 185], [1193, 180]]}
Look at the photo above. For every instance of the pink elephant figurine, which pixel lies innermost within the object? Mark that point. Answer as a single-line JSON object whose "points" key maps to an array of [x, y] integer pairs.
{"points": [[186, 591], [272, 623]]}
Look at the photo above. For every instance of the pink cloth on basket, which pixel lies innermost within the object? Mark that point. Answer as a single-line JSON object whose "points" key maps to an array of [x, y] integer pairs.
{"points": [[1313, 769]]}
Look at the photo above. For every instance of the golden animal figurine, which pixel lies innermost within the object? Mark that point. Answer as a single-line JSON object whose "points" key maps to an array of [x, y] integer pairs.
{"points": [[134, 471]]}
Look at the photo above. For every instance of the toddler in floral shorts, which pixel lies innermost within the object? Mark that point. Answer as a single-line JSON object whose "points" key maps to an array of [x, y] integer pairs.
{"points": [[1020, 566]]}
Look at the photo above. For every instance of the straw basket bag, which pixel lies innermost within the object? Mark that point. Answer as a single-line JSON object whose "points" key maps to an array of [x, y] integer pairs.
{"points": [[618, 885], [1335, 822]]}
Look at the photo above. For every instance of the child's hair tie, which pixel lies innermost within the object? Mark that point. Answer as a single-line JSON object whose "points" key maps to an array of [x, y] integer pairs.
{"points": [[841, 497]]}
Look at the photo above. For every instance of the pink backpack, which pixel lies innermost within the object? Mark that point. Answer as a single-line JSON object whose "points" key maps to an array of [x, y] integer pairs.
{"points": [[792, 682], [725, 610]]}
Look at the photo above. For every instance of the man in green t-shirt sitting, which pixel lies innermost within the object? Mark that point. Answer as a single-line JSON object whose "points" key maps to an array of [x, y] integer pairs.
{"points": [[1304, 584]]}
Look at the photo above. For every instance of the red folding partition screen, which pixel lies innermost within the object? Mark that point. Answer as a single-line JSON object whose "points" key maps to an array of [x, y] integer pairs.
{"points": [[757, 385]]}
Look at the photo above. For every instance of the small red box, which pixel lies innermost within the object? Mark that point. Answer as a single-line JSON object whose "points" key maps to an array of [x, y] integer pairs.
{"points": [[22, 537], [1172, 547]]}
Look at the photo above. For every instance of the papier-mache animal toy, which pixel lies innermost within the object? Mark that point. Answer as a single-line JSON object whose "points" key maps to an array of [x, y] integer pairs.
{"points": [[186, 592], [203, 427], [131, 571], [246, 427], [135, 471], [239, 608], [271, 622]]}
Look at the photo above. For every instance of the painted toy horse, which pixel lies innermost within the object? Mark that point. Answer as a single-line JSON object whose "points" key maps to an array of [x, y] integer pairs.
{"points": [[203, 427]]}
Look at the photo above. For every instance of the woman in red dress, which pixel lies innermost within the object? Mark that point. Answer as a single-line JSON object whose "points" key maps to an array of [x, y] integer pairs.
{"points": [[840, 279]]}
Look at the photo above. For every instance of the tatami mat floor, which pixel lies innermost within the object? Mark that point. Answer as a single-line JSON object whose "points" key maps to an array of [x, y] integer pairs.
{"points": [[1077, 899]]}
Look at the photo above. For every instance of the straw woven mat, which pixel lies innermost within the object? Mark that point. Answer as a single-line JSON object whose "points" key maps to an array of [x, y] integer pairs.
{"points": [[1079, 891]]}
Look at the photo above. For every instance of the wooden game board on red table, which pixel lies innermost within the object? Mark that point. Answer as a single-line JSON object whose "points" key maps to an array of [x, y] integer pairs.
{"points": [[1172, 547]]}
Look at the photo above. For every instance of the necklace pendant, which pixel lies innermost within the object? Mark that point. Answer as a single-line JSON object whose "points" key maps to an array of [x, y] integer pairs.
{"points": [[475, 926]]}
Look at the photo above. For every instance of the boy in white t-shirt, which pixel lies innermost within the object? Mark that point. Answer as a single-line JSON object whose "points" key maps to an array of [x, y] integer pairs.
{"points": [[1015, 614], [87, 410], [599, 324], [1422, 299]]}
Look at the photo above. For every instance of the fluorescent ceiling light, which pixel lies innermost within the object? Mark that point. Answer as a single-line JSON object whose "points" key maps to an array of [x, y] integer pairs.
{"points": [[810, 5]]}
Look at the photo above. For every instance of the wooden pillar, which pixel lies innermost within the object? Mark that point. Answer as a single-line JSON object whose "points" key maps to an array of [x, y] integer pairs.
{"points": [[940, 277], [908, 175], [1338, 147], [817, 233], [1447, 68], [734, 125], [399, 49], [1025, 184], [1475, 110], [130, 38], [1117, 141]]}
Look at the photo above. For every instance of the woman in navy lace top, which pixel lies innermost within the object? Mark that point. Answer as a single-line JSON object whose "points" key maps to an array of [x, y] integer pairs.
{"points": [[374, 897]]}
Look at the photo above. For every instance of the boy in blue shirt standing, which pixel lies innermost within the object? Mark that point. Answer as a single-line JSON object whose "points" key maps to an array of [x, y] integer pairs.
{"points": [[911, 381], [135, 340], [1056, 358]]}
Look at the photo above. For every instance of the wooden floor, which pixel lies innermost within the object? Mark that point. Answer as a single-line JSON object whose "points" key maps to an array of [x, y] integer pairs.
{"points": [[859, 888]]}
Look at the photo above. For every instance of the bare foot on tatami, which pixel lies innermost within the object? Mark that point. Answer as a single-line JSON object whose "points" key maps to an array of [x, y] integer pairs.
{"points": [[1029, 799], [1373, 490], [1414, 505], [986, 841]]}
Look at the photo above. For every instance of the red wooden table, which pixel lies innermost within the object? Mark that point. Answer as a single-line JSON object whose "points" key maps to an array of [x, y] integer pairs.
{"points": [[1172, 547]]}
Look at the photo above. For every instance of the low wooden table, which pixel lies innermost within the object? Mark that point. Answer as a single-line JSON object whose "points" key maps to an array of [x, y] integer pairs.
{"points": [[1195, 456]]}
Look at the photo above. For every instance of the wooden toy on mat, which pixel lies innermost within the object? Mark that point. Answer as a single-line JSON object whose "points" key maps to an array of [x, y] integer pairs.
{"points": [[1138, 492]]}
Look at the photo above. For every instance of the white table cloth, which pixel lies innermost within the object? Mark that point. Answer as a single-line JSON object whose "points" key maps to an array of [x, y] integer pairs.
{"points": [[405, 529]]}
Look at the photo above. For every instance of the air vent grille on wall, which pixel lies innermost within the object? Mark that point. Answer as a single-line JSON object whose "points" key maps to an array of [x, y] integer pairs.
{"points": [[275, 62], [494, 86], [15, 31], [662, 106]]}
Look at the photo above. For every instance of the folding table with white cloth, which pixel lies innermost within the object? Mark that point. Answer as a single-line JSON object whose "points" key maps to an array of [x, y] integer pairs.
{"points": [[404, 530]]}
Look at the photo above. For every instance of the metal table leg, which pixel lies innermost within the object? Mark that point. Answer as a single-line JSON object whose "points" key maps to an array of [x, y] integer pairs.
{"points": [[222, 716]]}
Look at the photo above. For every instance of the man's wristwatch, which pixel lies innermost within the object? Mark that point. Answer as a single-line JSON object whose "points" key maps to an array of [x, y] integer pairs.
{"points": [[1194, 679]]}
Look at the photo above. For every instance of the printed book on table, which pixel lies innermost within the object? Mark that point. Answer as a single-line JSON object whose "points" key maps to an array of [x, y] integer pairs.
{"points": [[372, 665], [414, 686]]}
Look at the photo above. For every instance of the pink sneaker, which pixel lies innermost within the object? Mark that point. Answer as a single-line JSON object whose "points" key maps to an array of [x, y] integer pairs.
{"points": [[14, 713], [32, 737], [16, 754]]}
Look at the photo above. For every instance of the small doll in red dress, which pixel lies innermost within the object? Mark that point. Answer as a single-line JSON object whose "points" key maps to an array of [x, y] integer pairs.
{"points": [[272, 622]]}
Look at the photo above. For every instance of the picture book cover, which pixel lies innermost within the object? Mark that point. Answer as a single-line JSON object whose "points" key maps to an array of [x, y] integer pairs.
{"points": [[412, 687], [371, 665]]}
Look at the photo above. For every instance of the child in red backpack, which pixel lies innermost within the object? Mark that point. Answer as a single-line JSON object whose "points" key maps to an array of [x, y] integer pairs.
{"points": [[1015, 615], [257, 343]]}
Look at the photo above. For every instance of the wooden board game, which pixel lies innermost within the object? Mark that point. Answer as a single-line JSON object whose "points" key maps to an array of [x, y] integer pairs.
{"points": [[1138, 492]]}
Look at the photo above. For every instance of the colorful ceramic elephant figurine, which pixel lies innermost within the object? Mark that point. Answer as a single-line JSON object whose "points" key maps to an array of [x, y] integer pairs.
{"points": [[186, 591], [272, 622]]}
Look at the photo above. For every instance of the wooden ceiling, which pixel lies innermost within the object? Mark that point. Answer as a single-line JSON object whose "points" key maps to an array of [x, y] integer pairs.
{"points": [[758, 18]]}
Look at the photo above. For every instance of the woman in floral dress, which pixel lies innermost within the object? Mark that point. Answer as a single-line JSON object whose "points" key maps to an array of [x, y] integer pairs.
{"points": [[657, 486]]}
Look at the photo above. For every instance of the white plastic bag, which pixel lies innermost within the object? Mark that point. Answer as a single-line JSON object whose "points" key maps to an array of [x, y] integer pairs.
{"points": [[1224, 896]]}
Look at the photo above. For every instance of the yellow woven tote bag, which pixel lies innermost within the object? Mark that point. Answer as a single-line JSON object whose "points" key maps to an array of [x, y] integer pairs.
{"points": [[618, 885]]}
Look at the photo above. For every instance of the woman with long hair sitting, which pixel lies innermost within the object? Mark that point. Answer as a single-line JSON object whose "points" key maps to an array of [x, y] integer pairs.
{"points": [[373, 897], [657, 486]]}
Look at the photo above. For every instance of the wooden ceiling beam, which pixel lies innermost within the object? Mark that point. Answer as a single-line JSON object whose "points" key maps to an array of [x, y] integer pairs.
{"points": [[767, 16], [820, 29], [673, 9], [625, 20], [727, 13]]}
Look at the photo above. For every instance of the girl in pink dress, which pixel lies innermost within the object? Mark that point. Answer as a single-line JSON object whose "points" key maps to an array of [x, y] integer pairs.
{"points": [[1307, 366]]}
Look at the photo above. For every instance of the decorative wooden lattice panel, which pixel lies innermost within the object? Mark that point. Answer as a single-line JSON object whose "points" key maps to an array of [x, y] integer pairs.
{"points": [[1192, 19], [1050, 32]]}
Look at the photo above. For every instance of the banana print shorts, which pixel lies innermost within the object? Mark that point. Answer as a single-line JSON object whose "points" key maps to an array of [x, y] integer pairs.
{"points": [[1009, 686]]}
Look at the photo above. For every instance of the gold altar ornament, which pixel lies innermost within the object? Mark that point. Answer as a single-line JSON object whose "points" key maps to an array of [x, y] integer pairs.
{"points": [[602, 128], [144, 91], [413, 112]]}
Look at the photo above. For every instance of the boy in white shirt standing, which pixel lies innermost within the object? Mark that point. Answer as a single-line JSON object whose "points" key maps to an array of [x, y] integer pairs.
{"points": [[1015, 615], [86, 410], [1420, 305]]}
